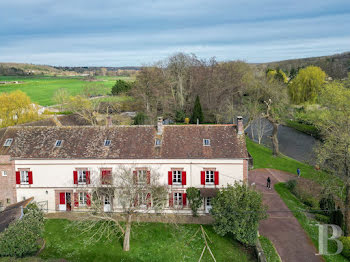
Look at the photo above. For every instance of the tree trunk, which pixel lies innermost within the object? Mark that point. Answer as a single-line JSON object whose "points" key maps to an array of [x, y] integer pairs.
{"points": [[275, 147], [126, 244]]}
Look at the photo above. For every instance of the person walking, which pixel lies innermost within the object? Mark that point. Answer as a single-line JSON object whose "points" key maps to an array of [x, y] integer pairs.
{"points": [[298, 172], [268, 183]]}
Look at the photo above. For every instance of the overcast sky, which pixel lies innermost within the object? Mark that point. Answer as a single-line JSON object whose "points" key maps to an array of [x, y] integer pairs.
{"points": [[125, 33]]}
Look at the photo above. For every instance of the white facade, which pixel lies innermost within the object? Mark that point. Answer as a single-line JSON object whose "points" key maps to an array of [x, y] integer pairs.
{"points": [[53, 176]]}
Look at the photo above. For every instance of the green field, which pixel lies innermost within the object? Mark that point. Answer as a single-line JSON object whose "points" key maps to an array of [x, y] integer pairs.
{"points": [[41, 89], [149, 242]]}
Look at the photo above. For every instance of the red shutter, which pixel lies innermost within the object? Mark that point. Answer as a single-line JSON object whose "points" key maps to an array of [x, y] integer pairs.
{"points": [[62, 198], [184, 201], [103, 177], [76, 199], [87, 177], [148, 199], [170, 177], [171, 200], [30, 177], [18, 177], [88, 200], [183, 177], [135, 176], [75, 177], [216, 177], [202, 177], [148, 177]]}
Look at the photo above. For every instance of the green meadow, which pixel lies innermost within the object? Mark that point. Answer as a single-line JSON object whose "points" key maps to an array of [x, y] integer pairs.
{"points": [[41, 89]]}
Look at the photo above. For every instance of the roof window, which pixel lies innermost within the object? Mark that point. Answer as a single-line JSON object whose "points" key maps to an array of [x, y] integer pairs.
{"points": [[8, 142], [107, 142], [206, 142], [58, 143], [158, 142]]}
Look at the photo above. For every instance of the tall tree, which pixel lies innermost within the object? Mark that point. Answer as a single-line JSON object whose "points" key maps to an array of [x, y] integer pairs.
{"points": [[197, 113], [306, 86], [334, 152]]}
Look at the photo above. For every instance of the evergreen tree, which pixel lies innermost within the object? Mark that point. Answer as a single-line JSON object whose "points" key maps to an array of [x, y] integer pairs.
{"points": [[197, 112]]}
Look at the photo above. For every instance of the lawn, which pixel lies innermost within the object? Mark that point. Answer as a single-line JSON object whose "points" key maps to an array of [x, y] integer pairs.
{"points": [[41, 89], [308, 224], [149, 242]]}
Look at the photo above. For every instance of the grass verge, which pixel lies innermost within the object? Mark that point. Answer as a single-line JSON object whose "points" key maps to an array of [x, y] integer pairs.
{"points": [[149, 242], [269, 250], [307, 223]]}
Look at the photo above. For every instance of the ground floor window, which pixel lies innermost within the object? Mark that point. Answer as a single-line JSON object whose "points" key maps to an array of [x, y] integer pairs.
{"points": [[82, 198], [178, 199]]}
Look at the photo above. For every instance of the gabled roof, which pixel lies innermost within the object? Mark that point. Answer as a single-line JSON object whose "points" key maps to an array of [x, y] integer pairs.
{"points": [[127, 142]]}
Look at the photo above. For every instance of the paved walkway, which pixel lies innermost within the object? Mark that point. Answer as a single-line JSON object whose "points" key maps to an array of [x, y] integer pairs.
{"points": [[281, 227]]}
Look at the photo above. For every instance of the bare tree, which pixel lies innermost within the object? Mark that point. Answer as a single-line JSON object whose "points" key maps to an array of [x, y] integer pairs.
{"points": [[261, 127], [61, 97], [137, 191]]}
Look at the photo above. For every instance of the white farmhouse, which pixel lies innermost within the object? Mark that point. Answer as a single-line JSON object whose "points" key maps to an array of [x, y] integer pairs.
{"points": [[57, 164]]}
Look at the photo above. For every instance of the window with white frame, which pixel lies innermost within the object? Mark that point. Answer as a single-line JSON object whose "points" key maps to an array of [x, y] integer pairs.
{"points": [[177, 199], [209, 177], [82, 176], [142, 198], [8, 142], [58, 143], [177, 177], [24, 177], [141, 176], [3, 173], [206, 142], [82, 198]]}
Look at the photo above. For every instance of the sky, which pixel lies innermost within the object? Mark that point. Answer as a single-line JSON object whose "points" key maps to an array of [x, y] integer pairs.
{"points": [[136, 33]]}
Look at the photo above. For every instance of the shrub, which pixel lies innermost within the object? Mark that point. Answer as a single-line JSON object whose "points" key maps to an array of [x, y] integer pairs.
{"points": [[308, 192], [21, 237], [346, 246], [337, 217], [120, 87], [197, 112], [194, 199], [237, 210], [327, 204], [180, 116], [291, 184], [140, 119], [322, 218]]}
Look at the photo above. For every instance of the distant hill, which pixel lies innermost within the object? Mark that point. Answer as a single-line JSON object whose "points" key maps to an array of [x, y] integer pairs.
{"points": [[336, 66], [19, 69]]}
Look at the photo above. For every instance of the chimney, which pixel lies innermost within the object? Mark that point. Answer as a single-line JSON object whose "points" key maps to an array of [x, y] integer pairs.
{"points": [[240, 128], [160, 125], [109, 121]]}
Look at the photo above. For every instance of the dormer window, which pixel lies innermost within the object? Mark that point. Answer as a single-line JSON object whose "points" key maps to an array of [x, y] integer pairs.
{"points": [[8, 142], [206, 142], [158, 142], [58, 143], [107, 142]]}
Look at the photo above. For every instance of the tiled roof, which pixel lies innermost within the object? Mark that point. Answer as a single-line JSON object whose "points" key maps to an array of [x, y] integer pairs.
{"points": [[127, 142]]}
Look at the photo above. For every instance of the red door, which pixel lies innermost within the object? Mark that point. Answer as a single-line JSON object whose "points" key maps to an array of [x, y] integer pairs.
{"points": [[62, 198]]}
